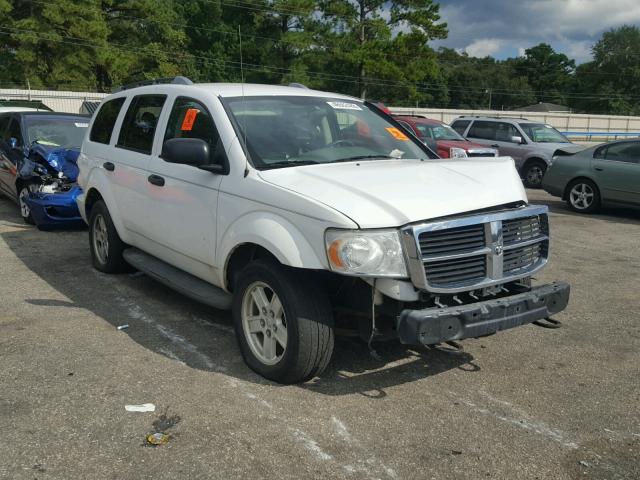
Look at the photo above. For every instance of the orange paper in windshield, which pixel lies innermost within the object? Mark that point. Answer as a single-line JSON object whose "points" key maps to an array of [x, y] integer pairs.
{"points": [[189, 119], [397, 134]]}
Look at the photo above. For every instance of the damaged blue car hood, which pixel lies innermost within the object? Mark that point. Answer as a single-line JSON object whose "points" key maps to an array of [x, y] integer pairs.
{"points": [[59, 158]]}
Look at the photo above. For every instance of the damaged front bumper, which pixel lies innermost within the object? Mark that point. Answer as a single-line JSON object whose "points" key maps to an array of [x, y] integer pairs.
{"points": [[55, 210], [436, 325]]}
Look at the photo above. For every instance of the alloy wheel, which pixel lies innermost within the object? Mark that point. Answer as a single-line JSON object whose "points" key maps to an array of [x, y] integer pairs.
{"points": [[581, 196], [100, 239], [264, 323]]}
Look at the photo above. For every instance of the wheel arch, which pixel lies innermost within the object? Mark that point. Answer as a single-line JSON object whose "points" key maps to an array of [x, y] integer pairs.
{"points": [[264, 235], [530, 160]]}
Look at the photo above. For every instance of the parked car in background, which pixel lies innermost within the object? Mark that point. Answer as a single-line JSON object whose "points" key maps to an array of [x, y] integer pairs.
{"points": [[604, 174], [38, 170], [532, 145], [308, 213], [443, 139], [7, 106]]}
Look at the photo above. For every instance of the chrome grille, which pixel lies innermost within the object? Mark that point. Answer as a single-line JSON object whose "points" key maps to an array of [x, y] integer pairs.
{"points": [[465, 253], [452, 241], [462, 270]]}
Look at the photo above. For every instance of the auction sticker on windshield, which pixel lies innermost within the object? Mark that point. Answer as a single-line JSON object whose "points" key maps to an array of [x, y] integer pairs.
{"points": [[344, 106]]}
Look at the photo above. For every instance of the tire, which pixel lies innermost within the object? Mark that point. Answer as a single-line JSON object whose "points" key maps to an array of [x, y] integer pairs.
{"points": [[533, 173], [104, 241], [25, 212], [583, 196], [306, 319]]}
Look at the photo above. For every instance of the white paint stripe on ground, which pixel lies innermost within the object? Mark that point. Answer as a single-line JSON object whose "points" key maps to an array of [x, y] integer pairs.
{"points": [[519, 418]]}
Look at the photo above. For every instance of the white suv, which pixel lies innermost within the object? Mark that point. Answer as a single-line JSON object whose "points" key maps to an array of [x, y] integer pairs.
{"points": [[305, 211]]}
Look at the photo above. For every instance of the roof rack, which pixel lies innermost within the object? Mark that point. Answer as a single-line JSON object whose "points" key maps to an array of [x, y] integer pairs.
{"points": [[495, 118], [156, 81]]}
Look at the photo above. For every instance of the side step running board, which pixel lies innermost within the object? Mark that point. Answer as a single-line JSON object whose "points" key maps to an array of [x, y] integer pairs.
{"points": [[178, 280]]}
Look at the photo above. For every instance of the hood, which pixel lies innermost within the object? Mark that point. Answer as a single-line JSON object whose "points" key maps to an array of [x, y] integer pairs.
{"points": [[569, 148], [552, 147], [391, 193], [59, 159]]}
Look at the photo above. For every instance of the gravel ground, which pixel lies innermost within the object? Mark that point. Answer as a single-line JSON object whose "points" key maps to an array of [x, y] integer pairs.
{"points": [[529, 403]]}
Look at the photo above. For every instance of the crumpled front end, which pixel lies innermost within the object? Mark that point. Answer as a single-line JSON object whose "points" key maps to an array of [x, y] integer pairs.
{"points": [[52, 173]]}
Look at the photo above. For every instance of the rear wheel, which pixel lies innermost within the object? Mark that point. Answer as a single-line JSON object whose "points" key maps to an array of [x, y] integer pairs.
{"points": [[533, 173], [284, 326], [25, 211], [104, 241], [583, 196]]}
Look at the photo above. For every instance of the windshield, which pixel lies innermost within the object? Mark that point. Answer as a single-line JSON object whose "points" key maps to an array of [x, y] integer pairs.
{"points": [[540, 133], [285, 131], [438, 132], [57, 131]]}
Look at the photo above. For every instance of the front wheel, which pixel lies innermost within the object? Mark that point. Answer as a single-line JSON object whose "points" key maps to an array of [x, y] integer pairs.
{"points": [[25, 211], [104, 241], [583, 196], [284, 326], [533, 173]]}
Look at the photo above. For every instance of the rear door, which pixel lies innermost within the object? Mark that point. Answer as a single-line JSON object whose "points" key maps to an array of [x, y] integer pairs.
{"points": [[497, 135], [133, 152], [617, 171], [5, 163], [10, 156]]}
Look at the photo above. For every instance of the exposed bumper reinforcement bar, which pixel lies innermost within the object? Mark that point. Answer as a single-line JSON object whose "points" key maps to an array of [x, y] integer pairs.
{"points": [[436, 325]]}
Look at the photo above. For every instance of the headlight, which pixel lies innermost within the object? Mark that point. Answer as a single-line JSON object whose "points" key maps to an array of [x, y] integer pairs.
{"points": [[375, 253], [455, 152]]}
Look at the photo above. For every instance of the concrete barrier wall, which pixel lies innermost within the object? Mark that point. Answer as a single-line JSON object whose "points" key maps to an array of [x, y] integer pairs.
{"points": [[578, 125]]}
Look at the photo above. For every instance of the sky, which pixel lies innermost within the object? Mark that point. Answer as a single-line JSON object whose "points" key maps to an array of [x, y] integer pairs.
{"points": [[505, 28]]}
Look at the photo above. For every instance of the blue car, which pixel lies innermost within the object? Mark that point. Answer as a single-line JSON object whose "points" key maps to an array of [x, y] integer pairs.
{"points": [[38, 165]]}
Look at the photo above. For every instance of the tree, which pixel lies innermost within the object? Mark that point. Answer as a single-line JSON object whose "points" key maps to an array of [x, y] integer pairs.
{"points": [[611, 83], [550, 74], [382, 40]]}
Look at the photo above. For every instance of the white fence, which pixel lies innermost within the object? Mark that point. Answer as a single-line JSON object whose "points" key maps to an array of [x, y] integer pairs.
{"points": [[576, 125], [58, 101]]}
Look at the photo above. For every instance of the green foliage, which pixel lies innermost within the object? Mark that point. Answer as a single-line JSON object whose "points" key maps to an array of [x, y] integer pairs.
{"points": [[376, 49]]}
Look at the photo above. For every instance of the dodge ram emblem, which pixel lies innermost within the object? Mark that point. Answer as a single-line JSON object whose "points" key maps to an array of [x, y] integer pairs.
{"points": [[498, 249]]}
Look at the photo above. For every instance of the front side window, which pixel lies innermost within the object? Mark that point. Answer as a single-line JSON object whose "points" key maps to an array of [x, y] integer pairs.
{"points": [[56, 130], [139, 124], [14, 131], [4, 123], [624, 152], [285, 131], [541, 133], [438, 132], [190, 119], [105, 121]]}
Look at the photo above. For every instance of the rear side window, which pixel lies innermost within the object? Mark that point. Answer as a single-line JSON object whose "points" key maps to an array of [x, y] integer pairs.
{"points": [[486, 130], [105, 121], [460, 126], [139, 124], [623, 152]]}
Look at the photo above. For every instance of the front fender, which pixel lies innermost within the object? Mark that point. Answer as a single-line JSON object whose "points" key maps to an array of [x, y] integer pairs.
{"points": [[276, 234]]}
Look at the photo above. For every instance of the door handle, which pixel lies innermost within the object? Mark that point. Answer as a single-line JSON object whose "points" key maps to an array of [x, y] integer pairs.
{"points": [[600, 169], [156, 180], [109, 166]]}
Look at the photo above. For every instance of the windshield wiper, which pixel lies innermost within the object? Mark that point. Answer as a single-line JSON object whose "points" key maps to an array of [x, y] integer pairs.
{"points": [[288, 163], [365, 157]]}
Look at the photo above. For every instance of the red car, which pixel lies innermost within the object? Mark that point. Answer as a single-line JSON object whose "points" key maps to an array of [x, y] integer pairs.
{"points": [[443, 139]]}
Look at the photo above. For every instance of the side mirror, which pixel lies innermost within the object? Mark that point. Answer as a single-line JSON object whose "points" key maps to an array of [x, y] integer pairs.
{"points": [[187, 151], [517, 140]]}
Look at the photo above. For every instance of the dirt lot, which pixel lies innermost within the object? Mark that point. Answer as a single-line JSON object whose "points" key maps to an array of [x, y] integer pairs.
{"points": [[530, 403]]}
